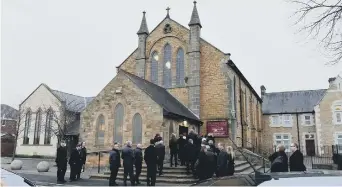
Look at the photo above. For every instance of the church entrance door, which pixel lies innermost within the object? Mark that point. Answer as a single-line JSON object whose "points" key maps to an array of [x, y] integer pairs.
{"points": [[183, 130]]}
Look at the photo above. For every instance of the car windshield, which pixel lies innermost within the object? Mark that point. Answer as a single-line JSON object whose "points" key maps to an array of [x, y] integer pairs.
{"points": [[12, 179]]}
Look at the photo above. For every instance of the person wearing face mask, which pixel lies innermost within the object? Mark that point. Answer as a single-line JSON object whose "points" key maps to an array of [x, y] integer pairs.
{"points": [[75, 162], [296, 159], [61, 161]]}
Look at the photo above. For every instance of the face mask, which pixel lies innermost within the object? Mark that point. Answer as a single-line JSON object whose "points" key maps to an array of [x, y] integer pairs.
{"points": [[184, 137], [63, 144]]}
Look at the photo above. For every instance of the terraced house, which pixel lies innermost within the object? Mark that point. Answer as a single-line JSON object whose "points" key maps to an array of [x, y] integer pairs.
{"points": [[174, 81], [311, 118]]}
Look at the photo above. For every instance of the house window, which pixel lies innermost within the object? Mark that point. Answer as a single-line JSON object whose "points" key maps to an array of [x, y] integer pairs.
{"points": [[27, 127], [287, 119], [137, 129], [337, 113], [48, 127], [284, 139], [154, 67], [275, 120], [307, 120], [118, 123], [37, 127], [100, 130], [167, 78], [180, 67]]}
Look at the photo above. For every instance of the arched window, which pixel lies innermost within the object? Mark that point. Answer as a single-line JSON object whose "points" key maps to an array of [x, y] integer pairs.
{"points": [[337, 107], [180, 67], [137, 129], [154, 67], [167, 78], [100, 129], [27, 127], [48, 127], [37, 127], [118, 122]]}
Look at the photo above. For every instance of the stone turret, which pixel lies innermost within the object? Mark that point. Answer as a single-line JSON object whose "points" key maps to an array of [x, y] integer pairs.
{"points": [[263, 91], [194, 61], [141, 56]]}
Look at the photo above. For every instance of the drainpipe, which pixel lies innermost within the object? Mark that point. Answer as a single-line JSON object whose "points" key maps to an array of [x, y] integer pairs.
{"points": [[299, 145], [242, 134]]}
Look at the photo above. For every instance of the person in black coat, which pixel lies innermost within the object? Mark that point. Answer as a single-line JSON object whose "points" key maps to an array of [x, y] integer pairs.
{"points": [[114, 164], [150, 157], [212, 163], [279, 160], [160, 148], [83, 154], [222, 162], [296, 159], [181, 143], [190, 156], [138, 162], [62, 162], [128, 161], [75, 163], [231, 161], [173, 145]]}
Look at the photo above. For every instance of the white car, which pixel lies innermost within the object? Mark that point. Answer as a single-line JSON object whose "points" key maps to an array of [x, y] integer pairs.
{"points": [[11, 179], [305, 181]]}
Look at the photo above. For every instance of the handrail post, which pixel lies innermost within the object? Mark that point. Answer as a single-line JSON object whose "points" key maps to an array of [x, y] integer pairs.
{"points": [[263, 163], [98, 164]]}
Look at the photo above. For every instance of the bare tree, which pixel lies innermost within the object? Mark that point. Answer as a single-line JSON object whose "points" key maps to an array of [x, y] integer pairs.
{"points": [[19, 130], [323, 20]]}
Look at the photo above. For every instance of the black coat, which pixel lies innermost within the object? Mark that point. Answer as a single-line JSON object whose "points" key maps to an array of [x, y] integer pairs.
{"points": [[231, 165], [128, 157], [61, 158], [138, 156], [75, 158], [297, 161], [84, 155], [191, 152], [160, 148], [222, 164], [173, 145], [150, 156], [279, 162], [114, 159]]}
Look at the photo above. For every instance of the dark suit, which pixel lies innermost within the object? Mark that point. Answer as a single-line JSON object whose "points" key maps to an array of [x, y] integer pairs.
{"points": [[160, 148], [138, 163], [297, 161], [279, 162], [61, 161], [150, 158], [173, 145], [190, 157], [75, 164], [222, 164], [128, 161], [114, 165]]}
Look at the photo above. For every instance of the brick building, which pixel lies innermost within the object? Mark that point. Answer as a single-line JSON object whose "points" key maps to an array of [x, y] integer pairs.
{"points": [[173, 81], [311, 118], [9, 118]]}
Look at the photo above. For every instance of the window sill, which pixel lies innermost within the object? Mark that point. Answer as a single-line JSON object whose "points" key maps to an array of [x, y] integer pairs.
{"points": [[337, 123], [306, 125], [36, 145], [286, 126]]}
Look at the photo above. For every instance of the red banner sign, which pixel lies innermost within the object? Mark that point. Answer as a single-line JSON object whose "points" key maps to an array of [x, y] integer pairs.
{"points": [[218, 128]]}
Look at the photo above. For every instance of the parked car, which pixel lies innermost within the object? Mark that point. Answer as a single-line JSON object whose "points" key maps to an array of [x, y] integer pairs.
{"points": [[9, 178]]}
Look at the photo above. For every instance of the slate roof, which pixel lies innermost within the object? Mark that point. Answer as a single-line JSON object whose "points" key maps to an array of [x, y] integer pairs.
{"points": [[162, 97], [291, 102], [74, 103], [73, 128]]}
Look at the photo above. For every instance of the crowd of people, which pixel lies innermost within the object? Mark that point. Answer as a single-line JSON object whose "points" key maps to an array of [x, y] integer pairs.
{"points": [[199, 154], [77, 161]]}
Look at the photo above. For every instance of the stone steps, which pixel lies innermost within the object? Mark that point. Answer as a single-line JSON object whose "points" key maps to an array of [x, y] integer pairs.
{"points": [[172, 175]]}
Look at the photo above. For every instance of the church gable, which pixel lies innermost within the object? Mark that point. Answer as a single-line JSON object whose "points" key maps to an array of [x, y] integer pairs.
{"points": [[129, 63]]}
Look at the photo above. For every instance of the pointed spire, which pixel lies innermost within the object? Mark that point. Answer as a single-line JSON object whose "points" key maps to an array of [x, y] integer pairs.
{"points": [[143, 26], [195, 20], [168, 12]]}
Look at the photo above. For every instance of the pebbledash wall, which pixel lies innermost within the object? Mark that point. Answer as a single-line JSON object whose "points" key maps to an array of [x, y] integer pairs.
{"points": [[216, 80], [42, 99], [317, 112]]}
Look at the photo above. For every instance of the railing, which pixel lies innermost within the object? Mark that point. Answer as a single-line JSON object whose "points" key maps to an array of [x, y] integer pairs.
{"points": [[258, 160]]}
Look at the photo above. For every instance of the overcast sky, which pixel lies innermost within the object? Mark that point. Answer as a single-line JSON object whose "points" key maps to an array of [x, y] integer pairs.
{"points": [[75, 45]]}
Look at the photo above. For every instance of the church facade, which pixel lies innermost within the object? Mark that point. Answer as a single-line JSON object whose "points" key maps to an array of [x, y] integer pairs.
{"points": [[174, 81]]}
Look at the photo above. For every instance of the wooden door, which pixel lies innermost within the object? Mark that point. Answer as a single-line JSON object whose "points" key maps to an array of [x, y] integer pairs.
{"points": [[310, 147]]}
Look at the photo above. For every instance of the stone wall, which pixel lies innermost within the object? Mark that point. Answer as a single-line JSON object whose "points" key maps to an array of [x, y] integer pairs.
{"points": [[134, 101]]}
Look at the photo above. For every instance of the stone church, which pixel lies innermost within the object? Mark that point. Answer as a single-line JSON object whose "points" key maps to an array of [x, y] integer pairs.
{"points": [[173, 82]]}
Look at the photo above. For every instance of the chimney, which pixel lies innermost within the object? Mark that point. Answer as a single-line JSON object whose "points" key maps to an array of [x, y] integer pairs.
{"points": [[331, 80], [263, 91]]}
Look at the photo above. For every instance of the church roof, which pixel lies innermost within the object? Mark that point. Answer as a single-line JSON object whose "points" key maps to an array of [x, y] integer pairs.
{"points": [[195, 20], [143, 26], [171, 106], [74, 103], [291, 102]]}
